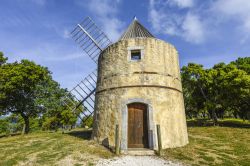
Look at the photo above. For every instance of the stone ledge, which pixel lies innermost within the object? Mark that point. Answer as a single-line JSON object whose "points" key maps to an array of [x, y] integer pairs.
{"points": [[139, 86], [139, 152]]}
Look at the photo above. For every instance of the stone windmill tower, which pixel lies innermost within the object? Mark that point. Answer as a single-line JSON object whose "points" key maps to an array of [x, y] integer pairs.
{"points": [[138, 86]]}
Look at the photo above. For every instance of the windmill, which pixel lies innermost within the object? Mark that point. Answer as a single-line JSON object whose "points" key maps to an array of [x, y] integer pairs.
{"points": [[92, 41], [138, 87]]}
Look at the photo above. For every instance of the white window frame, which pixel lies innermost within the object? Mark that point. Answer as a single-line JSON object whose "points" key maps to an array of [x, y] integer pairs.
{"points": [[135, 48]]}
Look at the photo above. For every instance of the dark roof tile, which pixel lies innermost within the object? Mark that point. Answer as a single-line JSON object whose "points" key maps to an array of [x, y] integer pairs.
{"points": [[136, 30]]}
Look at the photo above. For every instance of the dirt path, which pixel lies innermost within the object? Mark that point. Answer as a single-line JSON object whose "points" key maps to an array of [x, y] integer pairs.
{"points": [[136, 161]]}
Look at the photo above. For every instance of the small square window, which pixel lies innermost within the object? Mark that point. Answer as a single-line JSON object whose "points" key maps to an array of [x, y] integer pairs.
{"points": [[135, 55]]}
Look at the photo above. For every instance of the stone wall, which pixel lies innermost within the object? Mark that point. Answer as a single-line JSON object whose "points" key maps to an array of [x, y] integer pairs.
{"points": [[154, 79]]}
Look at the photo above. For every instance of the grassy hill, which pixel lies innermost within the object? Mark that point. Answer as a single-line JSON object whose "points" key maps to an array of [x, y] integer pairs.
{"points": [[208, 145], [214, 146], [45, 148]]}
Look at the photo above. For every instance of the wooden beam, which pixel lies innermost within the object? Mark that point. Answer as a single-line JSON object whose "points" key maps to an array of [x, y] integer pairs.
{"points": [[117, 146], [159, 139]]}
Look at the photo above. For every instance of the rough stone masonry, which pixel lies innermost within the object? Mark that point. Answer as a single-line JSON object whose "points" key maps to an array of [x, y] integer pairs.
{"points": [[153, 80]]}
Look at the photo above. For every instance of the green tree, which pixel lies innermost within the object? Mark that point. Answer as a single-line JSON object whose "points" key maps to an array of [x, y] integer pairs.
{"points": [[28, 90], [217, 90], [236, 87], [50, 102], [243, 64], [193, 89], [19, 90], [57, 114], [3, 125], [2, 59], [88, 121]]}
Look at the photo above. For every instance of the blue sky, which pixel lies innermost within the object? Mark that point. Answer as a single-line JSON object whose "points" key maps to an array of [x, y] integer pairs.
{"points": [[205, 32]]}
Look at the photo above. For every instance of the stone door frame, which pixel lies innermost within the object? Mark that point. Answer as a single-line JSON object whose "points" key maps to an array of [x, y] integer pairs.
{"points": [[124, 123]]}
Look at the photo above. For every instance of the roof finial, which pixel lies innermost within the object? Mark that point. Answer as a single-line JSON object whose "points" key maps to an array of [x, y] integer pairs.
{"points": [[135, 18]]}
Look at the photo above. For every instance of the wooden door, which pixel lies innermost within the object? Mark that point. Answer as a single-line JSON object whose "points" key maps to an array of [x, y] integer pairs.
{"points": [[137, 126]]}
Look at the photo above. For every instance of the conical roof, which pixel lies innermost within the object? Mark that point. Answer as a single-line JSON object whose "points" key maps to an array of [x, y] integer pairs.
{"points": [[136, 30]]}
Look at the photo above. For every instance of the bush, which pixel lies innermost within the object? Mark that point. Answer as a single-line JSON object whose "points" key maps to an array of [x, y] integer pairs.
{"points": [[88, 122], [3, 125]]}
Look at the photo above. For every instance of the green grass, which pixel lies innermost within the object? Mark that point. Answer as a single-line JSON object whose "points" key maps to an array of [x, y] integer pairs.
{"points": [[227, 122], [214, 146], [208, 145], [51, 149]]}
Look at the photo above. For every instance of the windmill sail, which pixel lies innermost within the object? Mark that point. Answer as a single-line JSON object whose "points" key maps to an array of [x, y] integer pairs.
{"points": [[90, 38], [92, 41], [83, 94]]}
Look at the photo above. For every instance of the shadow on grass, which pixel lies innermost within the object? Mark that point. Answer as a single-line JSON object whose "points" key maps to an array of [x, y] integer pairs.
{"points": [[86, 135], [8, 135], [222, 123], [83, 134]]}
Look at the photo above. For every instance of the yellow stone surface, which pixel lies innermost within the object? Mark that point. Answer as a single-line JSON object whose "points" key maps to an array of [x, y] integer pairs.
{"points": [[158, 74]]}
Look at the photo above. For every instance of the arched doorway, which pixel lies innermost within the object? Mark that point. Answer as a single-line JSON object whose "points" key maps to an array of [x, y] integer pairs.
{"points": [[137, 126]]}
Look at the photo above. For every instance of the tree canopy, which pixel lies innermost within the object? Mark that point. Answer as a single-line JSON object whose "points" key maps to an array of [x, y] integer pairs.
{"points": [[18, 88], [222, 89], [2, 59], [28, 90]]}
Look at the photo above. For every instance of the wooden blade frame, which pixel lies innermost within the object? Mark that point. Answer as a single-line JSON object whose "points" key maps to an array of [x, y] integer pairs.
{"points": [[83, 94], [90, 38], [92, 41]]}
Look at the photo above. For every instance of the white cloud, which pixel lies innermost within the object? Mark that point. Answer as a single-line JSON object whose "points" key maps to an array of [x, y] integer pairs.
{"points": [[106, 12], [161, 19], [66, 34], [113, 27], [68, 57], [199, 21], [183, 3], [234, 9], [155, 16], [187, 26], [193, 29], [103, 7]]}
